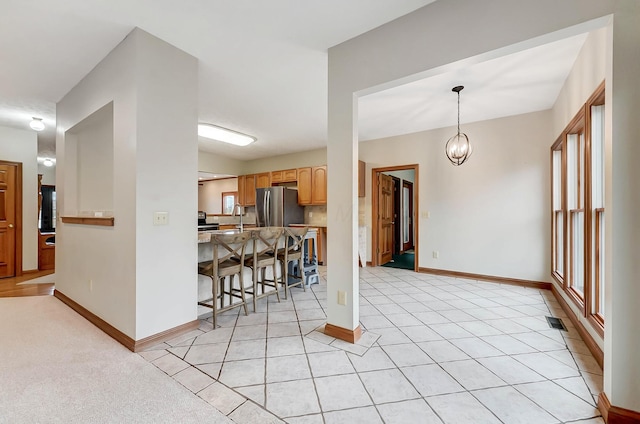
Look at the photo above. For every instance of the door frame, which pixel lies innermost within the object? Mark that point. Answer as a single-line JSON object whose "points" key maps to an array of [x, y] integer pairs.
{"points": [[18, 212], [374, 209]]}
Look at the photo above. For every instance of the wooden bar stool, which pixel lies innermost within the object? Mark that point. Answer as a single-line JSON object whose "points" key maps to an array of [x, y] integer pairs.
{"points": [[265, 248], [291, 252], [228, 261]]}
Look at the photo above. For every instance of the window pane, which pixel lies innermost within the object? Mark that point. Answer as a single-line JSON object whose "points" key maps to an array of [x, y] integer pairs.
{"points": [[577, 252], [559, 236]]}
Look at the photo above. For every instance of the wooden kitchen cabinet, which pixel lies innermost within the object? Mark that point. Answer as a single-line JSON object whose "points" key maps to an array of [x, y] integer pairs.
{"points": [[284, 176], [247, 190], [304, 186], [312, 185], [263, 180], [319, 185]]}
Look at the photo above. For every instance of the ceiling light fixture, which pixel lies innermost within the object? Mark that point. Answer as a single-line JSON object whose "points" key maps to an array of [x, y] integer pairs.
{"points": [[225, 135], [36, 124], [47, 162], [458, 148]]}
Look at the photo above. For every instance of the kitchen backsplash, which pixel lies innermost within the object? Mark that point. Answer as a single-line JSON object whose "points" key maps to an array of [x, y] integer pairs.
{"points": [[315, 215]]}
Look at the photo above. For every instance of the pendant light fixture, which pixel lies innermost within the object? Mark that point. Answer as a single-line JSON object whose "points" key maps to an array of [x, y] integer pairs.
{"points": [[458, 148]]}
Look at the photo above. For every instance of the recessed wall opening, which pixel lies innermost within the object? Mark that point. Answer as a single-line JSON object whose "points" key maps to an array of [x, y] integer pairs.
{"points": [[89, 174]]}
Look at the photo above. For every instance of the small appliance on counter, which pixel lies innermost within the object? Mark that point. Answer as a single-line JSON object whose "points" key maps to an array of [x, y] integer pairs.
{"points": [[278, 207], [202, 223]]}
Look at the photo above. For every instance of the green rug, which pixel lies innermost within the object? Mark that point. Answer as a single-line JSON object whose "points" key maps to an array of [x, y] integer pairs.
{"points": [[404, 261]]}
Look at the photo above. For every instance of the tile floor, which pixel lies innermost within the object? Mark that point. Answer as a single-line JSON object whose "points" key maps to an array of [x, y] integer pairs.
{"points": [[434, 350]]}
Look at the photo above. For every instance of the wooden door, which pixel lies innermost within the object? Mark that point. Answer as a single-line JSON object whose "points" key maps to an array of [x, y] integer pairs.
{"points": [[8, 190], [319, 185], [385, 219], [304, 186]]}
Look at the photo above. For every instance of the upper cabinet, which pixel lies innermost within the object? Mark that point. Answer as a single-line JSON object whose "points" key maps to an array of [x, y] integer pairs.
{"points": [[319, 185], [263, 180], [312, 185], [247, 190], [284, 176]]}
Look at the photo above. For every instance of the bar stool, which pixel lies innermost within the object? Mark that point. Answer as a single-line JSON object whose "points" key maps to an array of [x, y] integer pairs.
{"points": [[228, 261], [265, 248], [292, 251]]}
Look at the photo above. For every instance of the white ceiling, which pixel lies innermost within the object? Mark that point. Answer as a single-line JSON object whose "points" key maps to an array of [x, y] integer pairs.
{"points": [[263, 67]]}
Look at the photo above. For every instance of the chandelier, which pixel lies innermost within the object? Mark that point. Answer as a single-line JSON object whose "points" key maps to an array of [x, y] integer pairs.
{"points": [[458, 148]]}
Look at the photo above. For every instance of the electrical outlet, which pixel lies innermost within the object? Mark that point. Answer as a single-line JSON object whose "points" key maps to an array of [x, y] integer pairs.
{"points": [[161, 218], [426, 215], [342, 297], [436, 254]]}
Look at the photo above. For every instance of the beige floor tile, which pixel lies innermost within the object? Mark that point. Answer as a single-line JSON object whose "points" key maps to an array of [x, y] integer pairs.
{"points": [[476, 347], [221, 397], [246, 349], [292, 398], [250, 413], [341, 392], [306, 419], [450, 331], [374, 359], [410, 411], [287, 368], [281, 346], [170, 364], [405, 355], [212, 370], [205, 354], [255, 393], [546, 365], [193, 379], [557, 401], [420, 333], [472, 375], [479, 328], [367, 415], [461, 408], [388, 386], [512, 406], [431, 380], [509, 345], [243, 373], [510, 370], [330, 363], [442, 351]]}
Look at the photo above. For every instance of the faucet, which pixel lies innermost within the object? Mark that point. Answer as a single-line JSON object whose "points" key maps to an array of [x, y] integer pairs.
{"points": [[238, 207]]}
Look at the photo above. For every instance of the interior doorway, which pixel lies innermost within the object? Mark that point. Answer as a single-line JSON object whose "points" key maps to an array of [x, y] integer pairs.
{"points": [[394, 206], [10, 219]]}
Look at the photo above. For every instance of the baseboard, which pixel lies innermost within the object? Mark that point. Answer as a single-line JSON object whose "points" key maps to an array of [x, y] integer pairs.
{"points": [[502, 280], [350, 336], [595, 350], [103, 325], [30, 271], [169, 334], [615, 415], [119, 336], [369, 263]]}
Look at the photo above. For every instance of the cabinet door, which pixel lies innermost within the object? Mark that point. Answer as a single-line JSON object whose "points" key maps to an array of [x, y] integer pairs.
{"points": [[304, 186], [319, 185], [289, 175], [262, 181], [276, 177], [241, 189], [250, 190]]}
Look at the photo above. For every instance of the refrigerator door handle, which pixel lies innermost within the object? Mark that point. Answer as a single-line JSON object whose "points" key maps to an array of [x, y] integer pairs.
{"points": [[268, 208]]}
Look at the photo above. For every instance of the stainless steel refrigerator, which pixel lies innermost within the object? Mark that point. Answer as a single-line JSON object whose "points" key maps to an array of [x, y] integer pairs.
{"points": [[278, 207]]}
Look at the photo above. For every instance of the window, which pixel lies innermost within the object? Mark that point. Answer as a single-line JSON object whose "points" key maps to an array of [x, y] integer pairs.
{"points": [[578, 207], [229, 199]]}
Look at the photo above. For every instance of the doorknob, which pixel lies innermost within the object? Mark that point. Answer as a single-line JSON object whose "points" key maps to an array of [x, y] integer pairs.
{"points": [[10, 225]]}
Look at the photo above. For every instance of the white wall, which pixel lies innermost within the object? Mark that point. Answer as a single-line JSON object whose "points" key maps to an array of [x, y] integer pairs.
{"points": [[143, 279], [317, 157], [476, 209], [22, 146], [210, 194], [48, 174], [217, 164]]}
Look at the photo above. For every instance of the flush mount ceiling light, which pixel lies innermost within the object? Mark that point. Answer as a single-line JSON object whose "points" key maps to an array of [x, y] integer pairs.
{"points": [[458, 148], [225, 135], [47, 162], [36, 124]]}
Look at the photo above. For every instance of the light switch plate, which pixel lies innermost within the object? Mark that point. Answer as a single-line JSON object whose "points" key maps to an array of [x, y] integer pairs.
{"points": [[342, 297], [161, 218]]}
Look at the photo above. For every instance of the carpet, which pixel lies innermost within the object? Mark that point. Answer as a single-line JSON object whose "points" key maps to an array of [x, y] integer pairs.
{"points": [[404, 261], [56, 367]]}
